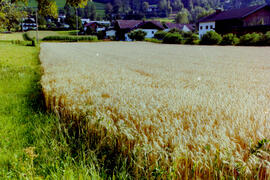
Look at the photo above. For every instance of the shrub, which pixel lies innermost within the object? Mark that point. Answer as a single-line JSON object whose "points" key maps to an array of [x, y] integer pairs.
{"points": [[192, 39], [266, 39], [70, 38], [230, 39], [26, 37], [153, 40], [160, 35], [251, 39], [173, 38], [137, 35], [211, 38]]}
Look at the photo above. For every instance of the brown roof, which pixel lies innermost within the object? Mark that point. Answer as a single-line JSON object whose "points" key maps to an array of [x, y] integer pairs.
{"points": [[152, 24], [178, 26], [232, 14], [134, 24], [128, 24]]}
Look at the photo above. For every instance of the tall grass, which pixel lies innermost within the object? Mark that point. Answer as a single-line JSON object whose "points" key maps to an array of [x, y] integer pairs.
{"points": [[164, 111]]}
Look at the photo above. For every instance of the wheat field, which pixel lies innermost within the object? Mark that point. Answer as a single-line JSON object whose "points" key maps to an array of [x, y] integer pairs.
{"points": [[173, 111]]}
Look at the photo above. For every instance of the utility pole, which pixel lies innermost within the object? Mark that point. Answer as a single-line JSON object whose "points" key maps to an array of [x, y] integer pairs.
{"points": [[77, 23], [37, 25]]}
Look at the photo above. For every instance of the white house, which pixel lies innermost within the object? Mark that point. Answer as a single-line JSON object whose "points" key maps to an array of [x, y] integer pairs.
{"points": [[181, 27], [123, 27], [29, 24], [204, 27]]}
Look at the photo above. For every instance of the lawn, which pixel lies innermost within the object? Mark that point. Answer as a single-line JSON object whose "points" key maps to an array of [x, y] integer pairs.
{"points": [[165, 111], [42, 34], [11, 36], [100, 7], [33, 143]]}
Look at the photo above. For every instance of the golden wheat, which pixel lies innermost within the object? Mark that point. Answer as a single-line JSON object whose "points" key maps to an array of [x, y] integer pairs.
{"points": [[193, 111]]}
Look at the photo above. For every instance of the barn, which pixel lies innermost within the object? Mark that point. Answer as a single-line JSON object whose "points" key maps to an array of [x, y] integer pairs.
{"points": [[237, 21]]}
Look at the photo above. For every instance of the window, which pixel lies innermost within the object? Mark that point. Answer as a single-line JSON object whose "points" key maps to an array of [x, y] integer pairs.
{"points": [[206, 27], [201, 27], [211, 27], [153, 32]]}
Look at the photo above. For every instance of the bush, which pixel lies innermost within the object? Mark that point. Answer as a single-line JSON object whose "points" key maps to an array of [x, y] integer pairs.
{"points": [[70, 38], [191, 38], [153, 40], [137, 35], [230, 39], [26, 37], [211, 38], [251, 39], [266, 39], [173, 38], [160, 35]]}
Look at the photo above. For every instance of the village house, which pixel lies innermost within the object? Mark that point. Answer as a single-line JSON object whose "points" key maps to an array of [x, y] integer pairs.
{"points": [[123, 27], [29, 24], [181, 27], [237, 21]]}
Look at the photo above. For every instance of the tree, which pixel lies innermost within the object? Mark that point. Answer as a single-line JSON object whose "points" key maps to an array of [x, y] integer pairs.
{"points": [[182, 17], [10, 16], [137, 35], [177, 5], [145, 6], [108, 11], [71, 20]]}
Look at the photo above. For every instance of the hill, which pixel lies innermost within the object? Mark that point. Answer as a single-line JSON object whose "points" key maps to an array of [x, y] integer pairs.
{"points": [[100, 7]]}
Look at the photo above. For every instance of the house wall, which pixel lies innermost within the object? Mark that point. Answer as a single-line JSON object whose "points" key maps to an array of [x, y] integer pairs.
{"points": [[204, 27], [110, 33], [149, 32], [261, 17]]}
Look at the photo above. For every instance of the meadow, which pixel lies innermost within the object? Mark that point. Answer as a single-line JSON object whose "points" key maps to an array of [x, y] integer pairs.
{"points": [[164, 111]]}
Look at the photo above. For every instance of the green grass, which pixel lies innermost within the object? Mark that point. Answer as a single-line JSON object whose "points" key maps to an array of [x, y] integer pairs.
{"points": [[43, 34], [162, 19], [33, 143], [100, 7], [11, 36]]}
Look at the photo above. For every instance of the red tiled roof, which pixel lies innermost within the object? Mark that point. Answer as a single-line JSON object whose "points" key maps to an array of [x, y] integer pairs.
{"points": [[232, 14]]}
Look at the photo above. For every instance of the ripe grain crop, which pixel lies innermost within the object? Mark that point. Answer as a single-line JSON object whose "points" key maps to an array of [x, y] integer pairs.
{"points": [[172, 111]]}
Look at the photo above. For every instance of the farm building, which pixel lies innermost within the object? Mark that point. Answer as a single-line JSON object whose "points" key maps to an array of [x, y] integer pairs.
{"points": [[29, 24], [182, 27], [123, 27], [238, 21], [94, 27]]}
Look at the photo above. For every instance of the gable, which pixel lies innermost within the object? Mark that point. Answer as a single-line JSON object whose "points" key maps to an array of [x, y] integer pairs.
{"points": [[233, 13]]}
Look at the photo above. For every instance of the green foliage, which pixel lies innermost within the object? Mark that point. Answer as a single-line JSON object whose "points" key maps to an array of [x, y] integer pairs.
{"points": [[211, 38], [153, 40], [10, 16], [191, 38], [183, 16], [251, 39], [160, 35], [137, 35], [173, 38], [266, 38], [71, 20], [70, 38], [26, 37], [47, 7], [230, 39]]}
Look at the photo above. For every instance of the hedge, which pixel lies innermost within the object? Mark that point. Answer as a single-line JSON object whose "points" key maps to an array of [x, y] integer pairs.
{"points": [[173, 38], [211, 38], [70, 38]]}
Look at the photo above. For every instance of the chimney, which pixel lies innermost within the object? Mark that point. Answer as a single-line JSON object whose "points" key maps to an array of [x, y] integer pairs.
{"points": [[218, 10]]}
